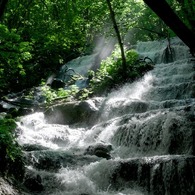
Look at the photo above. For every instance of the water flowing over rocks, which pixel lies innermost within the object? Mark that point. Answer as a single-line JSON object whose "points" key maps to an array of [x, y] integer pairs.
{"points": [[7, 188], [137, 140]]}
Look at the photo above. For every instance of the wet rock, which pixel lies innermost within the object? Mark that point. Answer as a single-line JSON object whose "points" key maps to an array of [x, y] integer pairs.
{"points": [[100, 150], [172, 174], [2, 108], [34, 183], [84, 194], [54, 160], [73, 112], [33, 147], [6, 106], [17, 106], [80, 65], [3, 115]]}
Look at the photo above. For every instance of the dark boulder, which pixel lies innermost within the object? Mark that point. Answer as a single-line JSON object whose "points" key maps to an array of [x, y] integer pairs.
{"points": [[172, 174], [34, 183], [99, 150], [33, 147], [70, 113]]}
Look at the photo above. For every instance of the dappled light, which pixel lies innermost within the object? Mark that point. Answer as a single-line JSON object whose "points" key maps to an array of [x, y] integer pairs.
{"points": [[97, 97]]}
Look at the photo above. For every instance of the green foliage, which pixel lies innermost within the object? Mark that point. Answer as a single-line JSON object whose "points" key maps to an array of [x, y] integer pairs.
{"points": [[84, 94], [58, 31], [137, 22], [10, 153], [52, 95], [37, 37], [13, 54], [110, 73], [6, 138]]}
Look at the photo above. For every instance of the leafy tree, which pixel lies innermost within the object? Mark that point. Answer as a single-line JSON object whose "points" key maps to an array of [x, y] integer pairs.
{"points": [[13, 55], [57, 31]]}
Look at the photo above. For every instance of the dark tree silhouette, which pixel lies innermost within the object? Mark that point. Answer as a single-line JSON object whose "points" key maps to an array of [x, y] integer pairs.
{"points": [[164, 11]]}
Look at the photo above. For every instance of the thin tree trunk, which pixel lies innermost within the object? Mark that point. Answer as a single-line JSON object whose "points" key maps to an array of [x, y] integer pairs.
{"points": [[3, 4], [112, 15], [164, 11]]}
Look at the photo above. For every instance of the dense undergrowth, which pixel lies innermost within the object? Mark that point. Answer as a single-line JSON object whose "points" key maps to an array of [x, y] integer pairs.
{"points": [[11, 159]]}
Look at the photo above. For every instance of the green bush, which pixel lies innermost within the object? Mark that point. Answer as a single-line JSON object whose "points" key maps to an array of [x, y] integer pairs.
{"points": [[52, 95], [110, 73], [13, 54], [11, 159]]}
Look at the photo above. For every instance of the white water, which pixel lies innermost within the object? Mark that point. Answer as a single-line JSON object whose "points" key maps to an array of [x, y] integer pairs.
{"points": [[92, 178], [133, 120]]}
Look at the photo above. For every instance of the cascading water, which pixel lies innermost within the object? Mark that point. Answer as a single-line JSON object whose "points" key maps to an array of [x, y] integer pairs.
{"points": [[137, 140]]}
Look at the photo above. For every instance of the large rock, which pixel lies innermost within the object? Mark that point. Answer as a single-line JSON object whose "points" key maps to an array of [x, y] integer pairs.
{"points": [[74, 112], [100, 150], [52, 161]]}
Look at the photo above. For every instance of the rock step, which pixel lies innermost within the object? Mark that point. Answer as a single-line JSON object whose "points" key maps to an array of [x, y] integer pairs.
{"points": [[126, 106], [157, 51], [53, 160], [72, 113], [168, 174], [186, 64], [166, 131], [171, 91], [174, 79]]}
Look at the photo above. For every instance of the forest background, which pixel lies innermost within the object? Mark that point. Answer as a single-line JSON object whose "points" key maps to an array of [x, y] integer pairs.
{"points": [[38, 36]]}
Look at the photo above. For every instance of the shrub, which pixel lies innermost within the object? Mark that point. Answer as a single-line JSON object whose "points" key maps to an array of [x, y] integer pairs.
{"points": [[52, 95], [14, 53], [11, 159], [110, 73]]}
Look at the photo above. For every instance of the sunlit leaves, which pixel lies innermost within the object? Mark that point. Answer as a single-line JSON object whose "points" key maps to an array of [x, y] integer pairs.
{"points": [[39, 36], [13, 53], [110, 73], [52, 95]]}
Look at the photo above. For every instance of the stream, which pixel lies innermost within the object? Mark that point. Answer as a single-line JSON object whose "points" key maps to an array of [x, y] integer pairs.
{"points": [[137, 140]]}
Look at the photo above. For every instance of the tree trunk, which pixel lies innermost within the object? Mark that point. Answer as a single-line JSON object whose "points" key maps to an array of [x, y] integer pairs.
{"points": [[3, 4], [164, 11], [112, 15]]}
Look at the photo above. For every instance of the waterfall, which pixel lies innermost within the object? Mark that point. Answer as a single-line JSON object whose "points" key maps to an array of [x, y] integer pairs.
{"points": [[138, 140]]}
